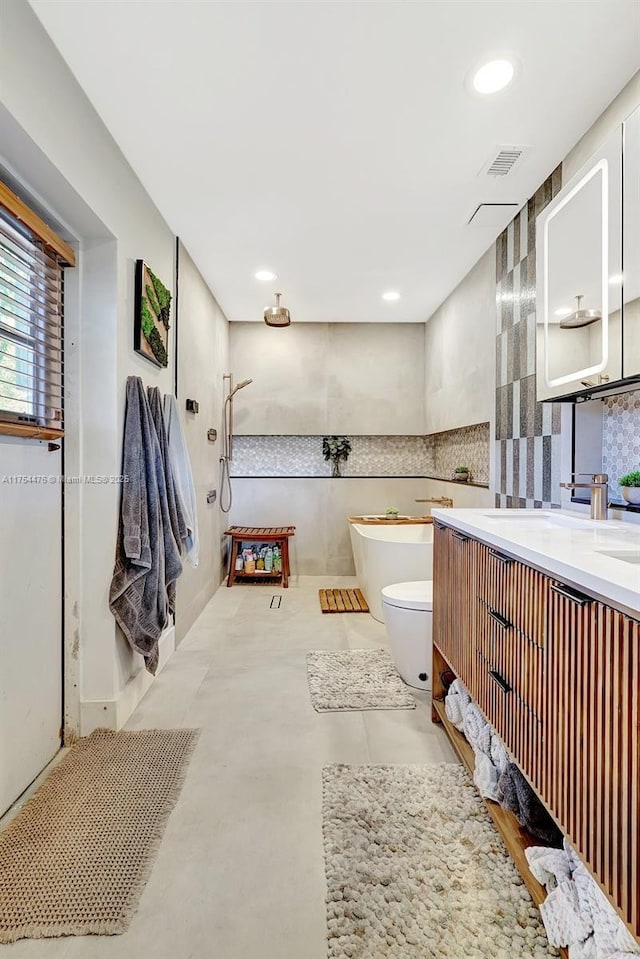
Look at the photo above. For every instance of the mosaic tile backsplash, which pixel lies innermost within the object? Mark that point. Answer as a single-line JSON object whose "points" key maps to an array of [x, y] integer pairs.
{"points": [[527, 432], [405, 456], [620, 439]]}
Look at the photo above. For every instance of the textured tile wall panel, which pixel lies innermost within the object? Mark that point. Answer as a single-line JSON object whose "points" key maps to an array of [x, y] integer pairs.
{"points": [[528, 457], [302, 456], [435, 455], [620, 438], [468, 446]]}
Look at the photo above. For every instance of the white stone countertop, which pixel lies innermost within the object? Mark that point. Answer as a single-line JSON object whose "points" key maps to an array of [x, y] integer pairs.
{"points": [[600, 557]]}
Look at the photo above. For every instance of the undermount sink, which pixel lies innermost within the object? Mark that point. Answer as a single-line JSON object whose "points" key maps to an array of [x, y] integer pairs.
{"points": [[540, 518], [625, 555], [513, 518]]}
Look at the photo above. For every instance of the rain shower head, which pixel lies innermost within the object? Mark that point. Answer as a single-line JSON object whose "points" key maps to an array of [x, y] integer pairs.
{"points": [[580, 317], [277, 315]]}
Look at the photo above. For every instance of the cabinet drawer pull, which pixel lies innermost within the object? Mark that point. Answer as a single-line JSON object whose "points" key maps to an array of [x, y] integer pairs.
{"points": [[460, 536], [438, 525], [500, 681], [571, 594], [501, 559], [500, 620]]}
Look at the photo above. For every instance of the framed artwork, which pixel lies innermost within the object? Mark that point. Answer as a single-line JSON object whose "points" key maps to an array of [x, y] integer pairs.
{"points": [[152, 315]]}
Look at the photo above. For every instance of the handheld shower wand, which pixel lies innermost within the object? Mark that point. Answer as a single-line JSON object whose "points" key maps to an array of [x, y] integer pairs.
{"points": [[227, 451], [241, 385]]}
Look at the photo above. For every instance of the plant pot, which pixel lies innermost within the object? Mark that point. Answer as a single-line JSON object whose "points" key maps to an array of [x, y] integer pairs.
{"points": [[631, 494], [335, 468], [460, 477]]}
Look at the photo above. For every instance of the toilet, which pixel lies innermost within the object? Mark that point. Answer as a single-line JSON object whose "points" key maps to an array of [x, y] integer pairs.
{"points": [[407, 609]]}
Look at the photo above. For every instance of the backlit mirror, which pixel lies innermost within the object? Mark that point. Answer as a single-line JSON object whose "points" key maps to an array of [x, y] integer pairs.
{"points": [[579, 333], [630, 277]]}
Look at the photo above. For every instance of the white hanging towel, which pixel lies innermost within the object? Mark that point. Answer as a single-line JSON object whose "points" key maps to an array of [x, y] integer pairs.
{"points": [[183, 476]]}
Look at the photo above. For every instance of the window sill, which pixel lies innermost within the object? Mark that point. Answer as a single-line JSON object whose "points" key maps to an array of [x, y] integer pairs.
{"points": [[31, 432]]}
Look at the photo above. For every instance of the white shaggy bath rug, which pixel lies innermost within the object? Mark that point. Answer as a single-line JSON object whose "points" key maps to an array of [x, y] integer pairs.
{"points": [[355, 679], [416, 870]]}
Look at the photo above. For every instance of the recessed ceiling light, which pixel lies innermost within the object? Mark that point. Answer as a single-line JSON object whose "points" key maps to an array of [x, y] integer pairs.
{"points": [[265, 275], [391, 295], [493, 76], [563, 311]]}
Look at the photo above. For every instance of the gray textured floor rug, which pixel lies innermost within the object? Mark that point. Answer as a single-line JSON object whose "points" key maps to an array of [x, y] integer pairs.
{"points": [[75, 859], [416, 870], [355, 679]]}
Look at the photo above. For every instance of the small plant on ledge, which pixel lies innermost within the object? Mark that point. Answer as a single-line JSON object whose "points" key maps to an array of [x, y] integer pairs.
{"points": [[336, 449], [630, 487], [460, 474]]}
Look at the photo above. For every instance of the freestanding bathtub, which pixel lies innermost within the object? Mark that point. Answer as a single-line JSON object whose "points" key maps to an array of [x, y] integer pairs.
{"points": [[390, 554]]}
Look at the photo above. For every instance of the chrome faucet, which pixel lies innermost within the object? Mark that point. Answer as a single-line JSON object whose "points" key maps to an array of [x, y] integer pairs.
{"points": [[440, 500], [599, 487]]}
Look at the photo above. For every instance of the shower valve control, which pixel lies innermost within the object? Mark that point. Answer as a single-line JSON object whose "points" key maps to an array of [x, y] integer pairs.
{"points": [[211, 496], [193, 406], [212, 435]]}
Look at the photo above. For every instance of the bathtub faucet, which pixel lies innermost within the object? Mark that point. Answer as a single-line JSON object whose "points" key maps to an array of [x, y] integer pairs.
{"points": [[440, 500]]}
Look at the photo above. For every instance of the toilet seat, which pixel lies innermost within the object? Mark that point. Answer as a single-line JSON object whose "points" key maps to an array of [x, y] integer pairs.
{"points": [[416, 595]]}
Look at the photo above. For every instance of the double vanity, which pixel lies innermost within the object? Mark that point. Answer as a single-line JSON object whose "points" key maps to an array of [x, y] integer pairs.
{"points": [[538, 614]]}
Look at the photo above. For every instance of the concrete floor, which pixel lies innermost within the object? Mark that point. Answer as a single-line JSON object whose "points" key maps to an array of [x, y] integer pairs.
{"points": [[240, 872]]}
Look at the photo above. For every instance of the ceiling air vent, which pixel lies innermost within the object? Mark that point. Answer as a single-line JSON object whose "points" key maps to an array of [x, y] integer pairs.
{"points": [[504, 161]]}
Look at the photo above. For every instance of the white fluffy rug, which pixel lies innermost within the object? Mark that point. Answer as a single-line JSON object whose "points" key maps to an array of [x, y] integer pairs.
{"points": [[356, 679], [416, 870]]}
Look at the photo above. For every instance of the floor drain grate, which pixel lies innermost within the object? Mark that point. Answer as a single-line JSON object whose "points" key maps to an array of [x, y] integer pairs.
{"points": [[275, 602]]}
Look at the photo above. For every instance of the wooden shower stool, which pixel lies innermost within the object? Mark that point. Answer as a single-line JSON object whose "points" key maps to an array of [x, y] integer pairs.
{"points": [[259, 534]]}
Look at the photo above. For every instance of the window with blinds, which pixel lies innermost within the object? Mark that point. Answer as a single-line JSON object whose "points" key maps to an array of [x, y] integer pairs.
{"points": [[31, 328]]}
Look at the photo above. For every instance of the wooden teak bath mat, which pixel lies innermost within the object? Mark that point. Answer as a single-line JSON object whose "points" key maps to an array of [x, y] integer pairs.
{"points": [[342, 601]]}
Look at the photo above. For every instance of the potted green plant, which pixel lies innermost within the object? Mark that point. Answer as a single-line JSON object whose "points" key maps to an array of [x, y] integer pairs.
{"points": [[336, 449], [391, 512], [630, 487], [460, 474]]}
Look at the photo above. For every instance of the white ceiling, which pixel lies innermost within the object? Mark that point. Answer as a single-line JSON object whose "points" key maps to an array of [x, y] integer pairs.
{"points": [[336, 142]]}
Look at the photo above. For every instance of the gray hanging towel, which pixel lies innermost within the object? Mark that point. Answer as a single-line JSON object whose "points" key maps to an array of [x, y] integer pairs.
{"points": [[173, 523], [183, 476], [144, 565]]}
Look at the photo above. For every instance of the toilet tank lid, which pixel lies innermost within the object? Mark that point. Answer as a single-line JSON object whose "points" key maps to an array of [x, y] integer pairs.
{"points": [[417, 595]]}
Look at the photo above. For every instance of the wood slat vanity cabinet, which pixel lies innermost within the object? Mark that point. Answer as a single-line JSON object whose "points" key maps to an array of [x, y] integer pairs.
{"points": [[557, 674], [456, 563]]}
